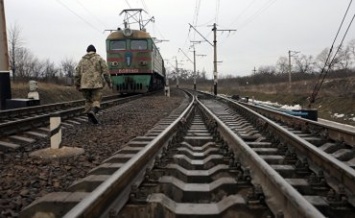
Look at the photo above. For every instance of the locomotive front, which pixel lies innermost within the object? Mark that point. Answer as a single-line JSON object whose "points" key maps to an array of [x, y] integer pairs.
{"points": [[134, 61]]}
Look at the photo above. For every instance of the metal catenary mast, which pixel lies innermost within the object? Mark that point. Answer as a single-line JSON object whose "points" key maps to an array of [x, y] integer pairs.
{"points": [[215, 72]]}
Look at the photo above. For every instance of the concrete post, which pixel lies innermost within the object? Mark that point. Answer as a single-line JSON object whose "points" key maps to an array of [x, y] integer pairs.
{"points": [[56, 131]]}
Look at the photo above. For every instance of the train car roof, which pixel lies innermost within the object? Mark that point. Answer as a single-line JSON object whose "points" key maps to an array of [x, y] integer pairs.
{"points": [[136, 34]]}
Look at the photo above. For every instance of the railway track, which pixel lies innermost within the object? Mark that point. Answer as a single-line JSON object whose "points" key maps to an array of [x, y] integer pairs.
{"points": [[19, 127], [215, 159], [20, 113]]}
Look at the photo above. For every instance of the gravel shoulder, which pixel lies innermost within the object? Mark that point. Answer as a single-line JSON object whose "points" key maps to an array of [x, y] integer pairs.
{"points": [[23, 179]]}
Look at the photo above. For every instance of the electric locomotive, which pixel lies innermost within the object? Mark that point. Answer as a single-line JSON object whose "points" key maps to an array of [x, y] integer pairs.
{"points": [[134, 61]]}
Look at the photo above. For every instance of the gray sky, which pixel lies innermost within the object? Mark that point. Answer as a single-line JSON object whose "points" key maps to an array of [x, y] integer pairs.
{"points": [[266, 29]]}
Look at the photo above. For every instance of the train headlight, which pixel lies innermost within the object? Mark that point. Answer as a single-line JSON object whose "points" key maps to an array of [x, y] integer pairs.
{"points": [[144, 63], [127, 32], [114, 63]]}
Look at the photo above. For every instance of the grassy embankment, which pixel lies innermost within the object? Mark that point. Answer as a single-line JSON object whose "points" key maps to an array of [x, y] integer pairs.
{"points": [[335, 96], [50, 93]]}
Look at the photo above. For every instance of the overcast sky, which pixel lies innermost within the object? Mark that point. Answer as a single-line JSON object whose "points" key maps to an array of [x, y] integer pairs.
{"points": [[265, 29]]}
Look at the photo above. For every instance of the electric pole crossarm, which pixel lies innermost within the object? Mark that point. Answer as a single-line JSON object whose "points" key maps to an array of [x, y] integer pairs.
{"points": [[186, 55], [201, 35]]}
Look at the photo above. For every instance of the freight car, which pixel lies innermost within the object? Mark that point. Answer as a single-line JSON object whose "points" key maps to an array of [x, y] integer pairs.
{"points": [[134, 61]]}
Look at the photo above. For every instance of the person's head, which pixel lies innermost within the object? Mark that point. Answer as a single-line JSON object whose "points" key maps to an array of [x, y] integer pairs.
{"points": [[91, 48]]}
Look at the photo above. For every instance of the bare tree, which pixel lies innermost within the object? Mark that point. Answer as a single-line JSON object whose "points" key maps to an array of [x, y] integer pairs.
{"points": [[282, 64], [320, 61], [15, 43], [50, 72], [68, 67], [24, 63], [344, 60], [38, 68], [267, 70], [351, 47], [304, 64]]}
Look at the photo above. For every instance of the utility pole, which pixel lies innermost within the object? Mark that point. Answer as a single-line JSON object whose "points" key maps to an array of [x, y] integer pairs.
{"points": [[177, 73], [194, 51], [167, 88], [290, 67], [254, 71], [4, 55], [215, 72], [194, 61], [215, 59], [214, 29]]}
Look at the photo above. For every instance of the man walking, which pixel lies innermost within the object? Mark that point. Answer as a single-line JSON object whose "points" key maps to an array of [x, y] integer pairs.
{"points": [[89, 79]]}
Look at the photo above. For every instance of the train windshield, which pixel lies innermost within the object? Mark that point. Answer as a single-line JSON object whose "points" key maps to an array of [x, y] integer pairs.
{"points": [[139, 45], [118, 45]]}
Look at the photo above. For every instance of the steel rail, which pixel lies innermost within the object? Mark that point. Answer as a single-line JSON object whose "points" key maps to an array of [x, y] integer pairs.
{"points": [[336, 169], [281, 196], [13, 127], [117, 187], [31, 110], [334, 133]]}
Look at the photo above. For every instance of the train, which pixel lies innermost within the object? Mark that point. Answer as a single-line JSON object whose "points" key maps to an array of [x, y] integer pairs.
{"points": [[134, 61]]}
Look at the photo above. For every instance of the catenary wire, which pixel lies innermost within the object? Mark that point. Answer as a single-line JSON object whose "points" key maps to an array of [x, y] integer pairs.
{"points": [[243, 12], [261, 10], [92, 14], [217, 10], [324, 71], [335, 38], [81, 18]]}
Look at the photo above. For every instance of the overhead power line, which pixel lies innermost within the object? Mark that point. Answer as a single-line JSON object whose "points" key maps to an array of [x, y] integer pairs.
{"points": [[328, 64], [243, 12], [337, 34], [258, 13], [92, 14], [128, 4], [217, 10], [81, 18], [197, 10], [145, 6]]}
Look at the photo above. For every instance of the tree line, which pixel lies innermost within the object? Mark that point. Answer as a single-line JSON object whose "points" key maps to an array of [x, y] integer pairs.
{"points": [[25, 65]]}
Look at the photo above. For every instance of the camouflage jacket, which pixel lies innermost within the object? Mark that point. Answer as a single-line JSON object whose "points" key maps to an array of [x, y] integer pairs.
{"points": [[91, 72]]}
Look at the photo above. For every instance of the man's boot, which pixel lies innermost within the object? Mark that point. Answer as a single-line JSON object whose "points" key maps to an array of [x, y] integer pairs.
{"points": [[96, 110], [92, 117]]}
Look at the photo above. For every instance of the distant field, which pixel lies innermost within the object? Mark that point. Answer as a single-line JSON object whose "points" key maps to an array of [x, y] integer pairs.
{"points": [[336, 99]]}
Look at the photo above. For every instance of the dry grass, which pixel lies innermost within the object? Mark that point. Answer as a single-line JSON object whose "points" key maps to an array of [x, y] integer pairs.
{"points": [[335, 96], [49, 92]]}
